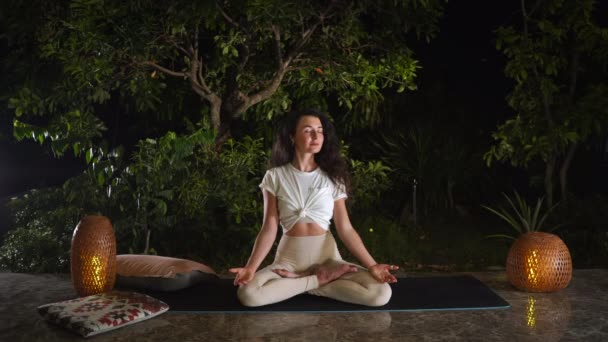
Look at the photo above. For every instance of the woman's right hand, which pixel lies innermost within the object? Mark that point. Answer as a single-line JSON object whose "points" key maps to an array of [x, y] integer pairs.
{"points": [[243, 275]]}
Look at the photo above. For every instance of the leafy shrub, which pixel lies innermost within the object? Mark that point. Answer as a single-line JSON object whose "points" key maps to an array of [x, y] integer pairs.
{"points": [[177, 196], [386, 240], [522, 217], [437, 159], [43, 224], [369, 181], [34, 250]]}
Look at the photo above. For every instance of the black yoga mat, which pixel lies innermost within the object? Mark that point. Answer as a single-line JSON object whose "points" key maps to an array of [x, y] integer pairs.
{"points": [[409, 294]]}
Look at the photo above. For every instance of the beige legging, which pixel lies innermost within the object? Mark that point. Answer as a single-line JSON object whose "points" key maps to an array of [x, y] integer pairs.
{"points": [[298, 254]]}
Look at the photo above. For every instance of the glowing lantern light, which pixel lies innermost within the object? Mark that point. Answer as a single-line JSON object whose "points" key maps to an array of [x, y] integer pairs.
{"points": [[531, 312], [539, 262], [93, 256]]}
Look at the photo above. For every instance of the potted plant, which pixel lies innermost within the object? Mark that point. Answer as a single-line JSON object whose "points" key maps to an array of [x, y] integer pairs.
{"points": [[537, 261]]}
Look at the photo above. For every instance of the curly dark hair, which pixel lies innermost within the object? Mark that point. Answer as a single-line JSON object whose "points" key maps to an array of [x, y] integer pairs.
{"points": [[329, 158]]}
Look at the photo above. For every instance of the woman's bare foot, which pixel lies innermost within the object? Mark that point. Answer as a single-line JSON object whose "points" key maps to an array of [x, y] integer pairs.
{"points": [[288, 274], [329, 273]]}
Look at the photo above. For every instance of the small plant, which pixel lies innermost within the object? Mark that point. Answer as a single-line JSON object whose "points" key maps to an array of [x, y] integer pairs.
{"points": [[523, 218]]}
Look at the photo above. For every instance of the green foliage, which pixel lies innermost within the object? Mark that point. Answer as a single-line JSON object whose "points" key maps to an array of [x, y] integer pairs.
{"points": [[386, 240], [359, 88], [34, 251], [40, 241], [158, 168], [455, 245], [522, 217], [193, 199], [558, 62], [438, 160], [369, 181], [97, 64], [231, 177], [152, 57], [182, 183], [73, 131]]}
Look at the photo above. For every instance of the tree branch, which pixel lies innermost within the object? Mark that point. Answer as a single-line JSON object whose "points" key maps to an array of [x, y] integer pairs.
{"points": [[226, 16], [296, 68], [196, 79], [180, 48], [545, 98], [198, 84], [196, 71], [525, 17], [195, 76], [282, 68], [302, 41], [243, 49], [243, 55], [165, 70], [195, 48], [199, 77], [277, 45]]}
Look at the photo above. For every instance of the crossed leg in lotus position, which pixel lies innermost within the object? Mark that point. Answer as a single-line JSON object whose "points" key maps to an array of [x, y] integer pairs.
{"points": [[325, 273]]}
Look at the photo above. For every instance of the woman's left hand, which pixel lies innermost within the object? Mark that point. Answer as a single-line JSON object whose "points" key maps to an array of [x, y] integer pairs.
{"points": [[382, 273]]}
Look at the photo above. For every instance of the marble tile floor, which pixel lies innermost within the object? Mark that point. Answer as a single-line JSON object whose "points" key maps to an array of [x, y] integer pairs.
{"points": [[577, 313]]}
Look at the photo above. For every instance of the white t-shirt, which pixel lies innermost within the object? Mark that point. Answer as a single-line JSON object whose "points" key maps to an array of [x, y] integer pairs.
{"points": [[302, 196]]}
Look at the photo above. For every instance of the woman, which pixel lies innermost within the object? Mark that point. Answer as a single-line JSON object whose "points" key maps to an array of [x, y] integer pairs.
{"points": [[309, 183]]}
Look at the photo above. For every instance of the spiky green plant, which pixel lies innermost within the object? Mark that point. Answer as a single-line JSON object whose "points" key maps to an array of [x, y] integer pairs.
{"points": [[523, 218]]}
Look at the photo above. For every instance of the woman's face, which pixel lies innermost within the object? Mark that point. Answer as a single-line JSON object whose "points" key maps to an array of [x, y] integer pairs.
{"points": [[308, 137]]}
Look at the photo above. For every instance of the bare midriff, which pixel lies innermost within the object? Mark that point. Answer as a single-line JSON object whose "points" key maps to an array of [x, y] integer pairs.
{"points": [[306, 229]]}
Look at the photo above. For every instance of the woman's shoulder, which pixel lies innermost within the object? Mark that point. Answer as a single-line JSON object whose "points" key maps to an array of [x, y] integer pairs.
{"points": [[277, 170]]}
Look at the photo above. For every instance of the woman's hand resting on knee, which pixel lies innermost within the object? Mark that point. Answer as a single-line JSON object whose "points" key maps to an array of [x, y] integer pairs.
{"points": [[382, 273], [243, 275]]}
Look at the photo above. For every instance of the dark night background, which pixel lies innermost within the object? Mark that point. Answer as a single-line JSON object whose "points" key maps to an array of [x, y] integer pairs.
{"points": [[461, 66]]}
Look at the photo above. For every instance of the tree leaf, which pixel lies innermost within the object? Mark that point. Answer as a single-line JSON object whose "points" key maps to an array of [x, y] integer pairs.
{"points": [[89, 155]]}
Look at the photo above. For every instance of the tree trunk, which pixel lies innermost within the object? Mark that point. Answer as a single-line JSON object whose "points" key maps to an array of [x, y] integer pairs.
{"points": [[232, 107], [215, 115], [147, 246], [563, 172], [223, 134], [550, 166]]}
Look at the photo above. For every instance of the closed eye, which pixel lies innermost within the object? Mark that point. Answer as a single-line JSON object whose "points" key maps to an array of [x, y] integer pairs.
{"points": [[309, 129]]}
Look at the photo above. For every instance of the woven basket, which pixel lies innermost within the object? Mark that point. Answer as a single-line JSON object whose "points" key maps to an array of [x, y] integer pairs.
{"points": [[539, 262], [93, 256]]}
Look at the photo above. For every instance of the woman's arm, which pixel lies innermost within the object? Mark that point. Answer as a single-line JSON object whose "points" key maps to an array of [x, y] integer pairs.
{"points": [[349, 235], [268, 233], [263, 242], [352, 240]]}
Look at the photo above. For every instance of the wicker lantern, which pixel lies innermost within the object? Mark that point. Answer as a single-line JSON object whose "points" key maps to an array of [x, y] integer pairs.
{"points": [[539, 262], [93, 256]]}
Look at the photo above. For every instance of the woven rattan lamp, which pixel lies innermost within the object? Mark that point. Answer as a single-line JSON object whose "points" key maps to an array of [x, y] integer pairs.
{"points": [[93, 256], [539, 262]]}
